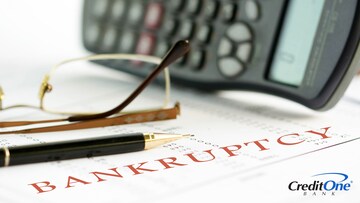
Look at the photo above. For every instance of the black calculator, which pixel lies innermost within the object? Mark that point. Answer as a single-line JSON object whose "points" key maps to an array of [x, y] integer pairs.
{"points": [[303, 50]]}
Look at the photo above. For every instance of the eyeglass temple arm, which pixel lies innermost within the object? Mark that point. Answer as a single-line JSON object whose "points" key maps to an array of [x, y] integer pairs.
{"points": [[178, 50]]}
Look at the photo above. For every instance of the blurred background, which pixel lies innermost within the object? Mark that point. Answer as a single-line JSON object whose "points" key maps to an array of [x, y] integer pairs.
{"points": [[38, 33], [34, 36]]}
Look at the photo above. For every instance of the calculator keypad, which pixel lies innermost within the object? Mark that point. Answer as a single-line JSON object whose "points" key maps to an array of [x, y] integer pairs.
{"points": [[220, 32], [237, 44]]}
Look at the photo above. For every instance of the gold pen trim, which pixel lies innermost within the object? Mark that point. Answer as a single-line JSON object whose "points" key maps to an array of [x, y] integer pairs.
{"points": [[7, 156], [156, 139], [147, 138]]}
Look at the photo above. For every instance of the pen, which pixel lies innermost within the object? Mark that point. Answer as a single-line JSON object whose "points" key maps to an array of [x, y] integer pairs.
{"points": [[84, 148]]}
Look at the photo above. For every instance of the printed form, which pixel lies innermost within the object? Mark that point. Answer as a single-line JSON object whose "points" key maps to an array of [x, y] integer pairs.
{"points": [[247, 147]]}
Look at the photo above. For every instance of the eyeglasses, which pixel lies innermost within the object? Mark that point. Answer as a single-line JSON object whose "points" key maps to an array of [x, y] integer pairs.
{"points": [[78, 95]]}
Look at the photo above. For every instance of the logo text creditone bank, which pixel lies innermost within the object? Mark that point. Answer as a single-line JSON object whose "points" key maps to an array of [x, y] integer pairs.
{"points": [[323, 184]]}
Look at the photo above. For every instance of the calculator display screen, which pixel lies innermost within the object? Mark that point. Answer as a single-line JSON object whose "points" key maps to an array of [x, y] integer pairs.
{"points": [[295, 42]]}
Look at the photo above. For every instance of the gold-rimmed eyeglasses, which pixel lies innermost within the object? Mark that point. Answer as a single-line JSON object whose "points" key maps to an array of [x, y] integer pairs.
{"points": [[99, 110]]}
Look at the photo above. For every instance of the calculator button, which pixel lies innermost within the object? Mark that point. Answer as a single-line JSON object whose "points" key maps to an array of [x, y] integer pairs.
{"points": [[118, 9], [230, 67], [228, 12], [169, 26], [135, 12], [196, 60], [244, 51], [100, 8], [204, 33], [193, 6], [252, 9], [145, 44], [127, 42], [239, 32], [91, 34], [186, 30], [153, 15], [225, 47], [109, 39], [210, 9], [161, 48]]}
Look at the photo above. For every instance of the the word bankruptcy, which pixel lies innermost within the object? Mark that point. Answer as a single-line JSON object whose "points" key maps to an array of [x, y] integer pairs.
{"points": [[183, 160]]}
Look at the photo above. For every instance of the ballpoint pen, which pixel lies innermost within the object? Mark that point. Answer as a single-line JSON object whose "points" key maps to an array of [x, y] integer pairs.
{"points": [[84, 147]]}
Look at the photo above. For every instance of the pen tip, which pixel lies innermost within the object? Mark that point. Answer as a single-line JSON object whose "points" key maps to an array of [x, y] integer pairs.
{"points": [[188, 135]]}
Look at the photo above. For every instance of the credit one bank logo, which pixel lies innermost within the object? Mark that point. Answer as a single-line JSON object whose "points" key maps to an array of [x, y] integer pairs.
{"points": [[323, 184]]}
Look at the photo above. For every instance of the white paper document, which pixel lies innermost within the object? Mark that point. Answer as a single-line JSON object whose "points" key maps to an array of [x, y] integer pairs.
{"points": [[247, 147]]}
